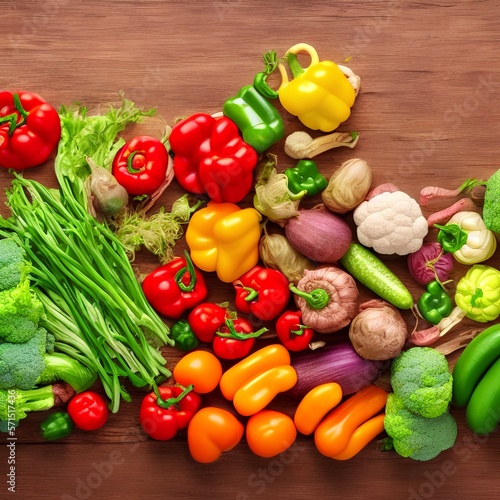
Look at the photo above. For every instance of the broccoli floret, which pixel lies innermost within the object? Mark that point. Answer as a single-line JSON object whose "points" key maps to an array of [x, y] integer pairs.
{"points": [[26, 365], [15, 404], [20, 313], [491, 207], [21, 364], [421, 377], [415, 436], [13, 266]]}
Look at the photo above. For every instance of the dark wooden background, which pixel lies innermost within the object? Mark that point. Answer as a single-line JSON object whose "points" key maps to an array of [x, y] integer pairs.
{"points": [[428, 114]]}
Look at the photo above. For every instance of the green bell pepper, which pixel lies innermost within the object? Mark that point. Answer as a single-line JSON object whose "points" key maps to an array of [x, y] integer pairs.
{"points": [[435, 304], [56, 426], [183, 335], [306, 177], [259, 122]]}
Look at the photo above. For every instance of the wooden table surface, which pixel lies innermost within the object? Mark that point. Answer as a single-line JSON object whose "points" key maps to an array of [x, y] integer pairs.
{"points": [[428, 114]]}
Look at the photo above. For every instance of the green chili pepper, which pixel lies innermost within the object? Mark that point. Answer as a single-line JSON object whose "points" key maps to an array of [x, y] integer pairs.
{"points": [[183, 335], [260, 81], [435, 304], [305, 176], [451, 237], [259, 122], [56, 426]]}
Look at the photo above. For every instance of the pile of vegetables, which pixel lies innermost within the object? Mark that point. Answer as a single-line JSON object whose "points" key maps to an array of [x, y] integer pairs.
{"points": [[82, 330]]}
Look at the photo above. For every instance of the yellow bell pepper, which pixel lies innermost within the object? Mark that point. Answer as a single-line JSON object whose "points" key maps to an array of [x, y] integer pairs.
{"points": [[321, 95], [223, 237], [256, 394]]}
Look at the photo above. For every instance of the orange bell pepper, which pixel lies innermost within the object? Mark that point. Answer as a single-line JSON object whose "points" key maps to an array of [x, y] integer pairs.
{"points": [[315, 405], [224, 238], [269, 433], [256, 394], [211, 432], [343, 426], [254, 364], [362, 436]]}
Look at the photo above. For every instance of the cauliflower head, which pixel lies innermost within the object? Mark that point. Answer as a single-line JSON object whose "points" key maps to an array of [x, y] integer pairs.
{"points": [[391, 223], [421, 377], [415, 436]]}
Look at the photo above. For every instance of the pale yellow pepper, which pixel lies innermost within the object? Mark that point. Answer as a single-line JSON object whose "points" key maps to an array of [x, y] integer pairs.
{"points": [[481, 243], [224, 238]]}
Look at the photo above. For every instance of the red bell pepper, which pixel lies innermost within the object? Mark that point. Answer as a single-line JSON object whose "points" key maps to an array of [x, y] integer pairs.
{"points": [[170, 409], [175, 287], [292, 334], [235, 339], [140, 165], [205, 319], [262, 292], [30, 129], [211, 157]]}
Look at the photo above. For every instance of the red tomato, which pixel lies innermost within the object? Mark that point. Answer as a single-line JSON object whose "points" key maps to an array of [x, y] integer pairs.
{"points": [[88, 410], [205, 319]]}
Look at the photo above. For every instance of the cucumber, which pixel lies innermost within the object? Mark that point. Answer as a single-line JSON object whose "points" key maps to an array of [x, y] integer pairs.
{"points": [[368, 269], [483, 411], [474, 361]]}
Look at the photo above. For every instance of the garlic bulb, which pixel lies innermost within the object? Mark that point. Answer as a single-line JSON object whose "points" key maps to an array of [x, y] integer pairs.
{"points": [[277, 253], [348, 186]]}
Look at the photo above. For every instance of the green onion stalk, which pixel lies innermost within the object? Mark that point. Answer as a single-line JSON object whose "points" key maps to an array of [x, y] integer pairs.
{"points": [[95, 305]]}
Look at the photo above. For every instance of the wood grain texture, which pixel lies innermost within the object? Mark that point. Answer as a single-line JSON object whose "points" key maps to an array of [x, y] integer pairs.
{"points": [[428, 114]]}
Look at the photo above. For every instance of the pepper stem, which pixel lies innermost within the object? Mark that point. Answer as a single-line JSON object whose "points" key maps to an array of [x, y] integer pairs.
{"points": [[295, 66], [167, 403], [192, 274], [300, 331], [252, 293], [316, 299], [476, 295], [12, 117], [233, 334], [298, 196], [12, 120], [130, 163], [451, 237]]}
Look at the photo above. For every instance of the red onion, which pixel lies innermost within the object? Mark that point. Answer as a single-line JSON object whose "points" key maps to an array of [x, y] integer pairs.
{"points": [[319, 235], [430, 262], [333, 363]]}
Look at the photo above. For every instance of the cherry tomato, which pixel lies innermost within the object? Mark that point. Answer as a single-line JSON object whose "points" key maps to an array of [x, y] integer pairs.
{"points": [[88, 410], [205, 319], [292, 334], [200, 368], [269, 433], [235, 339]]}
